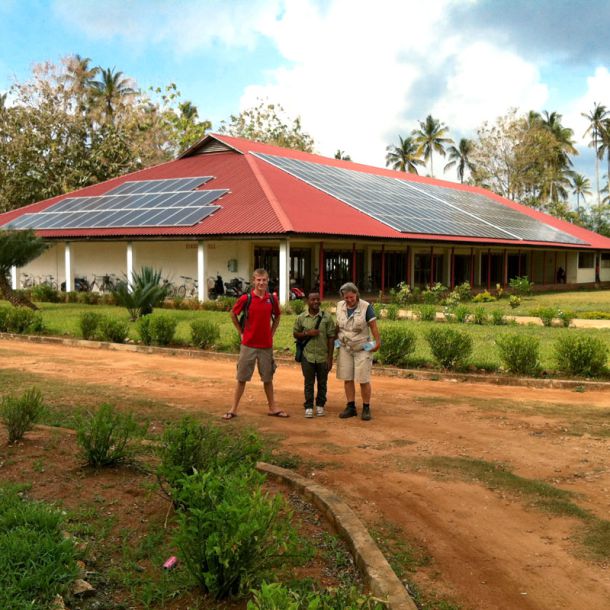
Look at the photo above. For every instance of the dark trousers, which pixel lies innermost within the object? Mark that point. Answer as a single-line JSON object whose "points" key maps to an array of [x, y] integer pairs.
{"points": [[311, 371]]}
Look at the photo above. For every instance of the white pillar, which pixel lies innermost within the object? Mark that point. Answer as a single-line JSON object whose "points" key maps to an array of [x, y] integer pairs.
{"points": [[14, 277], [68, 266], [129, 265], [202, 286], [284, 272]]}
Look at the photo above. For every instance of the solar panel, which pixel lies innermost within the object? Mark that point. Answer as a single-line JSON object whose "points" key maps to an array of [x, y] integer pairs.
{"points": [[420, 207], [159, 186]]}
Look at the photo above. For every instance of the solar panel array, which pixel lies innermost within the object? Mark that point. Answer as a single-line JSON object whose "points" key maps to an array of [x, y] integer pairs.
{"points": [[420, 207], [148, 203]]}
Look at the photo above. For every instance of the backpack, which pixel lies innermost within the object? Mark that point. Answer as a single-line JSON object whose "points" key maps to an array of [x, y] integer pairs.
{"points": [[244, 312]]}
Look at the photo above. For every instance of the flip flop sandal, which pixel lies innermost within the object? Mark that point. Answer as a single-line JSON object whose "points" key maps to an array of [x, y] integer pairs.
{"points": [[278, 414], [228, 415]]}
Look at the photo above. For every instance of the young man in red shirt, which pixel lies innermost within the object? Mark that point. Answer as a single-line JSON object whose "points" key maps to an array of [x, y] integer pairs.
{"points": [[262, 320]]}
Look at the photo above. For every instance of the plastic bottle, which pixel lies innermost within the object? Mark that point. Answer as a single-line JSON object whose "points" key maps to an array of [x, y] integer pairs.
{"points": [[369, 345]]}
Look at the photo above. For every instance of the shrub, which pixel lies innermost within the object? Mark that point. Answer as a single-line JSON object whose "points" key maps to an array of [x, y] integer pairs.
{"points": [[106, 436], [566, 317], [162, 329], [426, 313], [45, 294], [298, 306], [464, 290], [461, 313], [514, 301], [594, 315], [378, 307], [188, 447], [20, 413], [521, 285], [37, 561], [113, 330], [143, 327], [4, 313], [434, 293], [230, 534], [71, 297], [450, 347], [520, 354], [204, 333], [397, 344], [402, 294], [88, 298], [391, 312], [146, 291], [89, 323], [479, 316], [22, 319], [581, 355], [546, 314], [483, 297], [497, 317]]}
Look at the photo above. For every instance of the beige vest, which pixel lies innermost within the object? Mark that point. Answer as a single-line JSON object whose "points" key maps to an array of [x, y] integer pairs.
{"points": [[353, 330]]}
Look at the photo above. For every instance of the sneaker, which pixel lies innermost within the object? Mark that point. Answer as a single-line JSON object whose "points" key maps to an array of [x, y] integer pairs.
{"points": [[348, 412], [320, 411], [308, 413], [366, 413]]}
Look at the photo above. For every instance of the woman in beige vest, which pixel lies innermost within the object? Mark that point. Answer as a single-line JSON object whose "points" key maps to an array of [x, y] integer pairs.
{"points": [[356, 323]]}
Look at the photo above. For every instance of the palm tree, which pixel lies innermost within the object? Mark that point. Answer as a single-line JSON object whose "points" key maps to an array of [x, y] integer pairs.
{"points": [[430, 137], [460, 156], [604, 144], [111, 88], [405, 157], [581, 187], [80, 78], [597, 117]]}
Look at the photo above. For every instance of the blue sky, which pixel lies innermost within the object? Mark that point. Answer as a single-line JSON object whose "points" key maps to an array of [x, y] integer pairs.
{"points": [[359, 73]]}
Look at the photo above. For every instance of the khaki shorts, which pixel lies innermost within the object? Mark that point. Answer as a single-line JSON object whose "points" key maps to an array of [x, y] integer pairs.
{"points": [[354, 366], [248, 357]]}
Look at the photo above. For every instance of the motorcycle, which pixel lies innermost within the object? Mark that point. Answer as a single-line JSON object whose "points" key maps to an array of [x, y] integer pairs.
{"points": [[215, 287], [236, 287]]}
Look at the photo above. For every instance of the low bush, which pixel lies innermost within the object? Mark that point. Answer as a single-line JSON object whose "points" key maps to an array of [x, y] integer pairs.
{"points": [[204, 333], [402, 294], [106, 436], [37, 561], [88, 298], [20, 413], [189, 447], [397, 344], [565, 316], [298, 306], [497, 317], [519, 354], [484, 297], [71, 297], [89, 323], [479, 315], [45, 294], [594, 315], [451, 348], [514, 301], [546, 314], [426, 313], [378, 307], [391, 311], [230, 534], [112, 330], [461, 313], [143, 327], [581, 355], [20, 320], [162, 329], [521, 285]]}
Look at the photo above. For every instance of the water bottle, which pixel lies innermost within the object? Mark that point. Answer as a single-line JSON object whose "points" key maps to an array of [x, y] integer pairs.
{"points": [[337, 343], [369, 345]]}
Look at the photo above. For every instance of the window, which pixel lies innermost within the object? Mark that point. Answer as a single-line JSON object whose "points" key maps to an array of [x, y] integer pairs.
{"points": [[586, 260], [605, 261]]}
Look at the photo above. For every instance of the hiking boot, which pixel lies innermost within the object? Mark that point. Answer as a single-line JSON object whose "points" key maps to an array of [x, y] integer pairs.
{"points": [[366, 413], [349, 411], [308, 413], [320, 411]]}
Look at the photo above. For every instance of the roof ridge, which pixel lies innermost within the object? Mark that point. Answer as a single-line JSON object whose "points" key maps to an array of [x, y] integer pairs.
{"points": [[273, 201]]}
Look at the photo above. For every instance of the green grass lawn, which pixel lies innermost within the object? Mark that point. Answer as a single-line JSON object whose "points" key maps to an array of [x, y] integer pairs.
{"points": [[62, 319]]}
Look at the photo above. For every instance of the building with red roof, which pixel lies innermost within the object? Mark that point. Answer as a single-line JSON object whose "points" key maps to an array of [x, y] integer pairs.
{"points": [[308, 220]]}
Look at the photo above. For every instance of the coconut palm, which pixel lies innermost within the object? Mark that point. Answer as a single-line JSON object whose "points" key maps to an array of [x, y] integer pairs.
{"points": [[341, 154], [405, 157], [597, 118], [111, 88], [604, 145], [581, 187], [431, 138], [460, 155]]}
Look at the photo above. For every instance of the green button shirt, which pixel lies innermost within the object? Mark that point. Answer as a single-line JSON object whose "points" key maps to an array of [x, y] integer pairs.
{"points": [[316, 349]]}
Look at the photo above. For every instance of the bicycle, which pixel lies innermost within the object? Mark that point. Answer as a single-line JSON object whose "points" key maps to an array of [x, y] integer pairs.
{"points": [[172, 291], [27, 281], [103, 283], [48, 280], [190, 288]]}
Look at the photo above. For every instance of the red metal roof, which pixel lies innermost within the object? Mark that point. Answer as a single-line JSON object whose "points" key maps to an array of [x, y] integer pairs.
{"points": [[264, 200]]}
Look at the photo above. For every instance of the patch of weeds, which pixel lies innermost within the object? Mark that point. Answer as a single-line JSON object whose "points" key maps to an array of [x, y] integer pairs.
{"points": [[597, 538], [580, 389], [333, 449], [428, 601], [283, 459], [38, 465], [337, 555], [402, 556]]}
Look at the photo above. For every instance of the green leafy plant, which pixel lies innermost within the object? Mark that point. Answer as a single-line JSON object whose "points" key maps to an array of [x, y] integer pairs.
{"points": [[402, 294], [378, 307], [146, 291], [397, 344], [204, 333], [497, 317], [89, 323], [521, 285], [479, 315], [298, 306], [37, 562], [461, 313], [45, 294], [21, 320], [391, 311], [230, 534], [143, 326], [426, 313], [162, 329], [514, 301], [546, 314], [520, 354], [565, 316], [20, 413], [106, 436], [450, 347], [581, 355], [112, 330], [464, 290], [483, 297]]}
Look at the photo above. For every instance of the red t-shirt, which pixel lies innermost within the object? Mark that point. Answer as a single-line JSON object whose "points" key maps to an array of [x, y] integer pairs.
{"points": [[257, 331]]}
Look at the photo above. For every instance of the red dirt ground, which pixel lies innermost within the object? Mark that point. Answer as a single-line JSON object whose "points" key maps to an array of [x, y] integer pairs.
{"points": [[488, 549]]}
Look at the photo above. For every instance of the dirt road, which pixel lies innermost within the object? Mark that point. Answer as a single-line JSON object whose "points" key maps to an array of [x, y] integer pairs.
{"points": [[488, 549]]}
